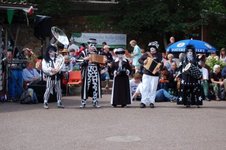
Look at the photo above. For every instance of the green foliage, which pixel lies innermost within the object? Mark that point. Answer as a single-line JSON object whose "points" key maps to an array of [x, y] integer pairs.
{"points": [[160, 16], [53, 7], [211, 61], [178, 17], [97, 23]]}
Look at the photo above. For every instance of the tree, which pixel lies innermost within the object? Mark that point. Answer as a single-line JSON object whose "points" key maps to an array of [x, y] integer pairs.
{"points": [[53, 8], [162, 17]]}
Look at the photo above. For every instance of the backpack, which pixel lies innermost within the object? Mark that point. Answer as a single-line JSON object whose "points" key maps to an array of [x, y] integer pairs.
{"points": [[28, 97]]}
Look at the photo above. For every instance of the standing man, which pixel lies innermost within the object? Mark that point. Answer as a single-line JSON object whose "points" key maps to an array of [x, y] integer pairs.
{"points": [[135, 55], [91, 85], [150, 78], [51, 66]]}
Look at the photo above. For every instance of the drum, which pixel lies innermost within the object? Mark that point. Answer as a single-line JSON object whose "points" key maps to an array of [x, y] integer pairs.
{"points": [[152, 65], [97, 58], [193, 70]]}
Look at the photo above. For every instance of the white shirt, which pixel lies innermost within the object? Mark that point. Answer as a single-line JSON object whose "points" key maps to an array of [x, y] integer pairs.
{"points": [[133, 86], [205, 73]]}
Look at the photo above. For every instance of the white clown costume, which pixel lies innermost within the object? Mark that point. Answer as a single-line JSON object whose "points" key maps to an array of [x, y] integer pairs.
{"points": [[150, 80], [51, 66]]}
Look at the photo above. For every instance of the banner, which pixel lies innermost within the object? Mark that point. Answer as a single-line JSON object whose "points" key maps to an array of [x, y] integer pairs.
{"points": [[10, 14], [113, 40]]}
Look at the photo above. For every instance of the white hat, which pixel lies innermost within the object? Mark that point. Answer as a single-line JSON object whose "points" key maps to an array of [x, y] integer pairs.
{"points": [[92, 40], [106, 46], [119, 51]]}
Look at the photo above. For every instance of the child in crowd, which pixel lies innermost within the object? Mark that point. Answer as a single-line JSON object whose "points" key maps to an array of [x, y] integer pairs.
{"points": [[134, 82]]}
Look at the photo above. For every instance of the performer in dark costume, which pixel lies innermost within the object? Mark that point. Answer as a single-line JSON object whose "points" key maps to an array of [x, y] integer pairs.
{"points": [[190, 88], [51, 66], [91, 76], [121, 94]]}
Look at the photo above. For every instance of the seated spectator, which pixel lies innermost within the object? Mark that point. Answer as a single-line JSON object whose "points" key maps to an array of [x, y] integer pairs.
{"points": [[105, 76], [169, 62], [30, 74], [29, 55], [164, 96], [134, 82], [223, 73], [81, 48], [161, 95], [74, 47], [213, 55], [65, 52], [67, 67], [173, 79], [164, 79], [216, 81]]}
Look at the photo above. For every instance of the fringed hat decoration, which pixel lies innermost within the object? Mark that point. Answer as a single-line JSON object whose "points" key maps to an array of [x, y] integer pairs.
{"points": [[153, 46]]}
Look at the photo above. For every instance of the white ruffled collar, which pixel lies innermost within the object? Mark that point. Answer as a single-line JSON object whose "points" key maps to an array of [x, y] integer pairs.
{"points": [[117, 59]]}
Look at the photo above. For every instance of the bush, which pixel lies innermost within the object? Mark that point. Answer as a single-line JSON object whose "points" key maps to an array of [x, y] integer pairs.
{"points": [[213, 61]]}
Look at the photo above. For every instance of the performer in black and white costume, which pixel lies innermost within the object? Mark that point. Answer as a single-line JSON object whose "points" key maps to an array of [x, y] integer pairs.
{"points": [[51, 66], [150, 80], [91, 85], [190, 87], [121, 94]]}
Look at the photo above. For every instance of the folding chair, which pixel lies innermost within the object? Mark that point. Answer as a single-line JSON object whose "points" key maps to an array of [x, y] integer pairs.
{"points": [[75, 78]]}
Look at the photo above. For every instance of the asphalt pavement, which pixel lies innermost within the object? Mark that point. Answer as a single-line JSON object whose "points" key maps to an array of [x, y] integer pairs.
{"points": [[166, 127]]}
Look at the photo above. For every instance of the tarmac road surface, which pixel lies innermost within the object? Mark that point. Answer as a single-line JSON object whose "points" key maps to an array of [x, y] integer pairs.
{"points": [[166, 127]]}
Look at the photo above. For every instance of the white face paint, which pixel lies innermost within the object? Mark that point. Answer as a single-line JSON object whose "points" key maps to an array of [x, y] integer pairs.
{"points": [[92, 47], [52, 53], [120, 55], [153, 50], [190, 55]]}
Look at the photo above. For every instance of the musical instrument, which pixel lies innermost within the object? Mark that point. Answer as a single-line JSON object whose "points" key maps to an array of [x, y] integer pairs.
{"points": [[152, 65], [97, 58], [192, 70], [59, 37]]}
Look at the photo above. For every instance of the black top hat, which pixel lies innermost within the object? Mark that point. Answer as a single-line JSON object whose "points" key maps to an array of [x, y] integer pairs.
{"points": [[92, 40], [190, 47]]}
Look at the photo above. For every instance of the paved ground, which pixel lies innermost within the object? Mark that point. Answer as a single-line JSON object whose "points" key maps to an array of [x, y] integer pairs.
{"points": [[167, 126]]}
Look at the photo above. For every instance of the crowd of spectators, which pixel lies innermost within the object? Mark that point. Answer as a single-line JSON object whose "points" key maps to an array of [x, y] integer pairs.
{"points": [[213, 81]]}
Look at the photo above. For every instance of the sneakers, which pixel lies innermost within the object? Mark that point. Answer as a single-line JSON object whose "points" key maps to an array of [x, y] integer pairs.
{"points": [[152, 105], [174, 99], [217, 98], [82, 105], [142, 105], [60, 105], [45, 105], [207, 99], [96, 105]]}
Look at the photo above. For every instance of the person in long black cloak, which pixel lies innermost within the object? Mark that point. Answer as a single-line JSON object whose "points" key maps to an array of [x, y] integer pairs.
{"points": [[121, 94], [190, 90]]}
